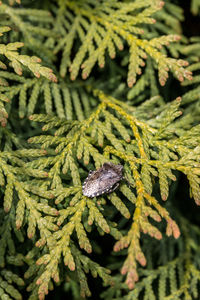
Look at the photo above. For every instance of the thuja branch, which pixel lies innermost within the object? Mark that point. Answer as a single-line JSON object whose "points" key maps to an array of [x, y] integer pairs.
{"points": [[180, 273], [143, 150], [174, 165], [141, 224], [102, 28]]}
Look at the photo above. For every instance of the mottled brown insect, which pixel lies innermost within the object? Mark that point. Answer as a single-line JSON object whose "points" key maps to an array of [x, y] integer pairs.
{"points": [[103, 180]]}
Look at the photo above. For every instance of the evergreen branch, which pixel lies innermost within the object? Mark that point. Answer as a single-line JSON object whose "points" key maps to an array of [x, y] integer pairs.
{"points": [[147, 80], [10, 52], [21, 19], [8, 279], [100, 29], [171, 280], [64, 247], [67, 102], [143, 146], [86, 124], [15, 184], [192, 50]]}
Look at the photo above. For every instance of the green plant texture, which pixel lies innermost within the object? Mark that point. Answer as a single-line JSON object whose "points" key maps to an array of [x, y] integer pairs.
{"points": [[85, 82]]}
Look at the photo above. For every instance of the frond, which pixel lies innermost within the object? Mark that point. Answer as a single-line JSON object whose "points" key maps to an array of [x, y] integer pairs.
{"points": [[83, 265], [33, 24], [51, 234], [66, 101], [15, 183], [177, 278], [9, 281], [168, 20], [145, 151], [102, 28], [17, 60], [192, 51]]}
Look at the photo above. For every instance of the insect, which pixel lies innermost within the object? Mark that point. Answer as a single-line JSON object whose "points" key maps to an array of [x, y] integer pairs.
{"points": [[104, 180]]}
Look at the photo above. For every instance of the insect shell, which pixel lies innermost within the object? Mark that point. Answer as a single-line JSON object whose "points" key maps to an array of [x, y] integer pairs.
{"points": [[103, 180]]}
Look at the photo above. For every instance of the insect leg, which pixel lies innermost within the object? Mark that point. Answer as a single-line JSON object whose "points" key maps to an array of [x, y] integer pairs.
{"points": [[114, 188]]}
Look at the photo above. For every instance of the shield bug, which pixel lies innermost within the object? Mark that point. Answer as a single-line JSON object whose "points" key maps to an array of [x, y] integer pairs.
{"points": [[104, 180]]}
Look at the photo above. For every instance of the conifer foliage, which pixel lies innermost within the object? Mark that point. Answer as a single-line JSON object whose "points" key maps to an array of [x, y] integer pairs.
{"points": [[81, 84]]}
